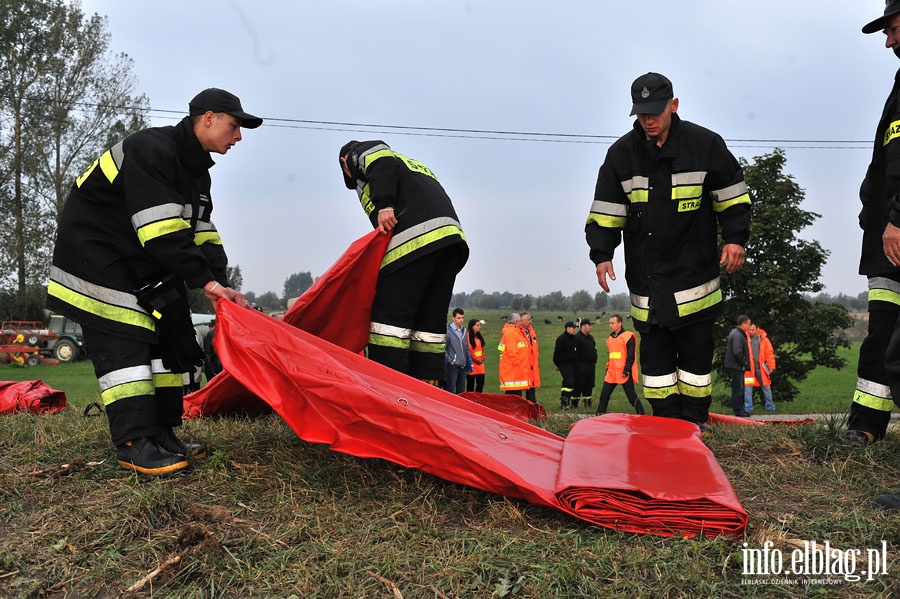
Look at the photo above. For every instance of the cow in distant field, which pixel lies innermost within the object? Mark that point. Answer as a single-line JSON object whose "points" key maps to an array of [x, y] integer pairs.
{"points": [[559, 318], [547, 321]]}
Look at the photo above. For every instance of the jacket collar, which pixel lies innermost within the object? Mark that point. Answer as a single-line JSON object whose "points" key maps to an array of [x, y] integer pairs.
{"points": [[192, 153]]}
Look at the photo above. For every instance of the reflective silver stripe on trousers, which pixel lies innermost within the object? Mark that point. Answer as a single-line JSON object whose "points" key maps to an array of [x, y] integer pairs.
{"points": [[658, 382], [125, 375], [389, 330], [689, 295], [695, 380], [156, 367], [873, 388], [427, 337], [884, 283], [104, 294]]}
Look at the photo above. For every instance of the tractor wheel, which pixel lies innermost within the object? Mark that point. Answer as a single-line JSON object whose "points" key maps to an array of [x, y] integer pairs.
{"points": [[33, 360], [65, 351], [33, 339]]}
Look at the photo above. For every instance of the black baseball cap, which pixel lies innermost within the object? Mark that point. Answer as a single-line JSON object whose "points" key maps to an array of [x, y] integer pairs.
{"points": [[570, 324], [891, 8], [219, 100], [651, 92]]}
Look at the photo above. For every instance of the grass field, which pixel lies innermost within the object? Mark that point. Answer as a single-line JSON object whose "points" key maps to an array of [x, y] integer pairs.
{"points": [[268, 515]]}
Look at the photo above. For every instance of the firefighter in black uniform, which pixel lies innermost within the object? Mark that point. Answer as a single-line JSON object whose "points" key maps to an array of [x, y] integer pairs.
{"points": [[134, 230], [878, 371], [408, 328], [666, 187], [564, 360], [585, 364]]}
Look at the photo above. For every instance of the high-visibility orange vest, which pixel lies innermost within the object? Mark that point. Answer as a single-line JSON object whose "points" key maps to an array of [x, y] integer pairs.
{"points": [[515, 359], [477, 355], [618, 355]]}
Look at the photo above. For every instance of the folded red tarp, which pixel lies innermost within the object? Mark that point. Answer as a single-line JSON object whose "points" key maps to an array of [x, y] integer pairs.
{"points": [[36, 397], [639, 474]]}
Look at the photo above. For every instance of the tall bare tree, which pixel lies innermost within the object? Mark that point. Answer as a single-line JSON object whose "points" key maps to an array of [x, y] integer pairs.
{"points": [[63, 97]]}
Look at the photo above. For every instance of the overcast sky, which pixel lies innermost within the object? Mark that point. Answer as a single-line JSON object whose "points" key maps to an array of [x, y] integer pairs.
{"points": [[762, 70]]}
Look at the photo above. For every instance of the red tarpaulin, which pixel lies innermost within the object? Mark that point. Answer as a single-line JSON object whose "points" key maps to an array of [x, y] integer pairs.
{"points": [[619, 471], [634, 473], [720, 419], [336, 308], [36, 397]]}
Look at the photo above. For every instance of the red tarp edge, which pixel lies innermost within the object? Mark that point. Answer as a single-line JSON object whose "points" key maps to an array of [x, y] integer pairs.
{"points": [[36, 397]]}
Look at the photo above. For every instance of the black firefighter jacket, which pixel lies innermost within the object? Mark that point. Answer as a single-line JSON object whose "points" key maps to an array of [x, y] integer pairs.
{"points": [[139, 214], [426, 219], [667, 204]]}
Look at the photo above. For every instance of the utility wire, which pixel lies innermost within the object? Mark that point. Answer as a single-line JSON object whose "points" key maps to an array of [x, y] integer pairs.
{"points": [[500, 135]]}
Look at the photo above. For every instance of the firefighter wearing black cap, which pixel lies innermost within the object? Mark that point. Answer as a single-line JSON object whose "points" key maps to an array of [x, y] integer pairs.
{"points": [[565, 360], [666, 188], [402, 196], [878, 381], [134, 230]]}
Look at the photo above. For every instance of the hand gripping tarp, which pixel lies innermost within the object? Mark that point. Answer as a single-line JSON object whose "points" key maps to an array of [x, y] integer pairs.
{"points": [[633, 473], [36, 397]]}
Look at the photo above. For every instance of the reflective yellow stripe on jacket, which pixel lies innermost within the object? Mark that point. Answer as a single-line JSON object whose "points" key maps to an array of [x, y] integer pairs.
{"points": [[109, 304]]}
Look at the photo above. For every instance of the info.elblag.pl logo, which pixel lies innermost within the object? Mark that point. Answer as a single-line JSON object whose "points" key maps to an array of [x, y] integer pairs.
{"points": [[824, 563]]}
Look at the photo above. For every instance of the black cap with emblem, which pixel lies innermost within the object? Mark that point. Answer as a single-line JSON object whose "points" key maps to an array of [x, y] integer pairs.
{"points": [[891, 8], [651, 92]]}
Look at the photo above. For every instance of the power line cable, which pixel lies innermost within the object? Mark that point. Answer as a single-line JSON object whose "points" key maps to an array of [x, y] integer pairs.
{"points": [[494, 134]]}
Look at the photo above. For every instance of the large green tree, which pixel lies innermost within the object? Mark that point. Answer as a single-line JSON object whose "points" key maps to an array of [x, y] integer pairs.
{"points": [[64, 98], [780, 268], [296, 284]]}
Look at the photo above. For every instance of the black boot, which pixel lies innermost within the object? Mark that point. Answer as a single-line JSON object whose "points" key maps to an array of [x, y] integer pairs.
{"points": [[575, 402], [144, 455], [171, 443]]}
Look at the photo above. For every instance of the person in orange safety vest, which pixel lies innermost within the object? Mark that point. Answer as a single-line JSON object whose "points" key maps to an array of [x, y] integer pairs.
{"points": [[515, 358], [762, 363], [621, 369]]}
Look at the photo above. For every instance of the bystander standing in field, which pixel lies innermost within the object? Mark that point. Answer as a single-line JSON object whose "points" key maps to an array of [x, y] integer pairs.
{"points": [[564, 360], [475, 378], [737, 362], [456, 352], [585, 364], [621, 368], [528, 330], [515, 357], [762, 363]]}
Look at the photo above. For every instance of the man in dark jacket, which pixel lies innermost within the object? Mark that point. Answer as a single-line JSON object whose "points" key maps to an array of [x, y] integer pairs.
{"points": [[668, 188], [564, 359], [134, 229], [737, 362], [402, 196], [585, 364]]}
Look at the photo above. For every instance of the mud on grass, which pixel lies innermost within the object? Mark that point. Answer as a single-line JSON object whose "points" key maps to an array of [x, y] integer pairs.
{"points": [[268, 515]]}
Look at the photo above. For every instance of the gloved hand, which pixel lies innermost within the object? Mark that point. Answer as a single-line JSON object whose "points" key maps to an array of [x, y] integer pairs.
{"points": [[626, 373], [167, 302], [178, 345]]}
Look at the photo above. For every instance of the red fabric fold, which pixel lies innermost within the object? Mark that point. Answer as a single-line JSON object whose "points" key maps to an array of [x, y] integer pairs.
{"points": [[36, 397], [330, 395], [336, 308]]}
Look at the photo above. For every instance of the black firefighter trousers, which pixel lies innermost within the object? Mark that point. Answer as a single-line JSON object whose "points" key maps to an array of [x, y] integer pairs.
{"points": [[408, 329], [140, 395]]}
